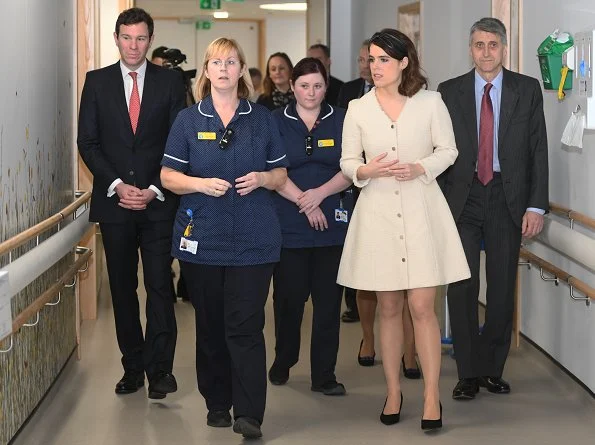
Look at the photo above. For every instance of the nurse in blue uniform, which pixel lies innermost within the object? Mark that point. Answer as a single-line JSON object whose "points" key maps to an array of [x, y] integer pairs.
{"points": [[314, 208], [224, 157]]}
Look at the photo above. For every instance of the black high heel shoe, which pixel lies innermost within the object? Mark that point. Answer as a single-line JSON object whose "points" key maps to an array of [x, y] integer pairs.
{"points": [[391, 419], [411, 373], [432, 425], [366, 360]]}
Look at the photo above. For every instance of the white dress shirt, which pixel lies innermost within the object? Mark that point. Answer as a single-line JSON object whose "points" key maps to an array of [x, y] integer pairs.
{"points": [[128, 83]]}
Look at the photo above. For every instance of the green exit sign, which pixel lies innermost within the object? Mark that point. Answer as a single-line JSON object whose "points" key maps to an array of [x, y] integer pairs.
{"points": [[210, 4], [203, 24]]}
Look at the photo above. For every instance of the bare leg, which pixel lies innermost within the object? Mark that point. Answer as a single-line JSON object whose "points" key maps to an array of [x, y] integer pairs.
{"points": [[427, 341], [366, 304], [391, 342], [408, 337]]}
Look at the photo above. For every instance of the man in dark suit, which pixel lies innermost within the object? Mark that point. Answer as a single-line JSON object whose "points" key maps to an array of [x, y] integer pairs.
{"points": [[323, 53], [126, 112], [355, 89], [497, 190], [349, 91]]}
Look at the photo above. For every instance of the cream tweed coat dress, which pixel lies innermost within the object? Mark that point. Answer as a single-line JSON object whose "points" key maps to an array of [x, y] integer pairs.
{"points": [[402, 234]]}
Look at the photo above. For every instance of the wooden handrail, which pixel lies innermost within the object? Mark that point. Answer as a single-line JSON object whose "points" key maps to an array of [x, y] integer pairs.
{"points": [[572, 214], [31, 310], [562, 275], [37, 229]]}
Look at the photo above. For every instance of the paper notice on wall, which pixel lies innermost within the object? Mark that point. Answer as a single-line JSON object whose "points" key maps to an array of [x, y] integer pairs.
{"points": [[5, 312]]}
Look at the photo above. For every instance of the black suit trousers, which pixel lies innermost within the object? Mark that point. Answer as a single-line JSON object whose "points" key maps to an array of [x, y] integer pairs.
{"points": [[300, 274], [230, 350], [485, 217], [122, 241]]}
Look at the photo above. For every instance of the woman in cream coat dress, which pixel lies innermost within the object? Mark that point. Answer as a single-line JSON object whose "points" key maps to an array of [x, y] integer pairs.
{"points": [[402, 235]]}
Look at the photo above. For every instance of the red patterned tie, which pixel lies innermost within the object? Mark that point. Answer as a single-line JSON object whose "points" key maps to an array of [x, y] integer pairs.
{"points": [[485, 162], [134, 108]]}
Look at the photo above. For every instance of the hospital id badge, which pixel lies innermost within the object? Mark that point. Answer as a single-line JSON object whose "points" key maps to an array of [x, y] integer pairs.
{"points": [[187, 245], [341, 215]]}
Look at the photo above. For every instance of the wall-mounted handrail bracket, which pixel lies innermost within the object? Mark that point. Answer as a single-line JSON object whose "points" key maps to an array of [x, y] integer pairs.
{"points": [[29, 325], [550, 278], [73, 282], [4, 351], [587, 300], [55, 303], [525, 263]]}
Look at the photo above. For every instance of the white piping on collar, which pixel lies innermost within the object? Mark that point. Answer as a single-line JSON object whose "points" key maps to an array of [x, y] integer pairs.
{"points": [[329, 113], [246, 112], [295, 118], [200, 111], [287, 115]]}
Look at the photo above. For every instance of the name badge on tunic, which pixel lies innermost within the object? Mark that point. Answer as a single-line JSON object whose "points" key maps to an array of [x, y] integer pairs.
{"points": [[341, 215], [207, 135], [322, 143], [187, 245]]}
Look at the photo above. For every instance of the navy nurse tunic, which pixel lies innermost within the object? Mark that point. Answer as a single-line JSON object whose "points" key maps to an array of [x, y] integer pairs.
{"points": [[231, 230], [311, 171]]}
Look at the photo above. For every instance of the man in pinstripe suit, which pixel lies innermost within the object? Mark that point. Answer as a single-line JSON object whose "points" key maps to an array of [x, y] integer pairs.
{"points": [[497, 191]]}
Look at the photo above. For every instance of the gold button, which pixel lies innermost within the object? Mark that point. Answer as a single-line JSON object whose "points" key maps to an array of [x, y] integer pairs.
{"points": [[394, 148], [401, 237], [399, 215], [397, 192], [403, 259], [392, 126]]}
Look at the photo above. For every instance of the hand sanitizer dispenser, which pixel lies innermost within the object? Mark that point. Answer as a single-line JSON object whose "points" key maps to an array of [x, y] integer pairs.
{"points": [[584, 59]]}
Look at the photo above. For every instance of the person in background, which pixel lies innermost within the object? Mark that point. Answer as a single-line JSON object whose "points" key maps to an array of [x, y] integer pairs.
{"points": [[276, 89], [158, 55], [323, 53], [314, 210], [256, 77], [224, 157], [126, 112], [402, 238], [498, 191]]}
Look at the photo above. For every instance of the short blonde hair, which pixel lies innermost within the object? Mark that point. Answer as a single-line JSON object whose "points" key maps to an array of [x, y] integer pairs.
{"points": [[223, 46]]}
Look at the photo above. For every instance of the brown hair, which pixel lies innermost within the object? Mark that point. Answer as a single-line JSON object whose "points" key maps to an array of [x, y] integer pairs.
{"points": [[267, 84], [223, 46], [308, 65], [398, 46]]}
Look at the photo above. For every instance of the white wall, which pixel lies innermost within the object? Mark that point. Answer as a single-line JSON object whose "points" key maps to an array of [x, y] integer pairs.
{"points": [[563, 328], [288, 35], [108, 14]]}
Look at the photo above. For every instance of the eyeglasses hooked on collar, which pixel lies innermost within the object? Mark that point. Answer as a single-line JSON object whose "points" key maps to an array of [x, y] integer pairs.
{"points": [[309, 146]]}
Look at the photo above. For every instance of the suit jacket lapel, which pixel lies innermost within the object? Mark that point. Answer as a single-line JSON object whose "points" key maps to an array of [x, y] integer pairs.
{"points": [[508, 103], [146, 105], [119, 96], [467, 104]]}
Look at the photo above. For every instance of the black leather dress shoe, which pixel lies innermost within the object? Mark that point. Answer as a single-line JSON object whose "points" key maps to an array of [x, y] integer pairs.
{"points": [[350, 316], [162, 384], [219, 419], [330, 389], [130, 382], [494, 384], [247, 427], [465, 389], [278, 375]]}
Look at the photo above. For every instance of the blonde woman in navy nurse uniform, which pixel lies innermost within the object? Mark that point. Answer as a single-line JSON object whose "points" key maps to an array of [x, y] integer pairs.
{"points": [[314, 210], [224, 157]]}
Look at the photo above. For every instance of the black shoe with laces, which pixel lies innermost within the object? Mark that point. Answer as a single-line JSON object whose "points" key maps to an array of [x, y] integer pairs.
{"points": [[219, 419], [247, 427], [130, 382]]}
